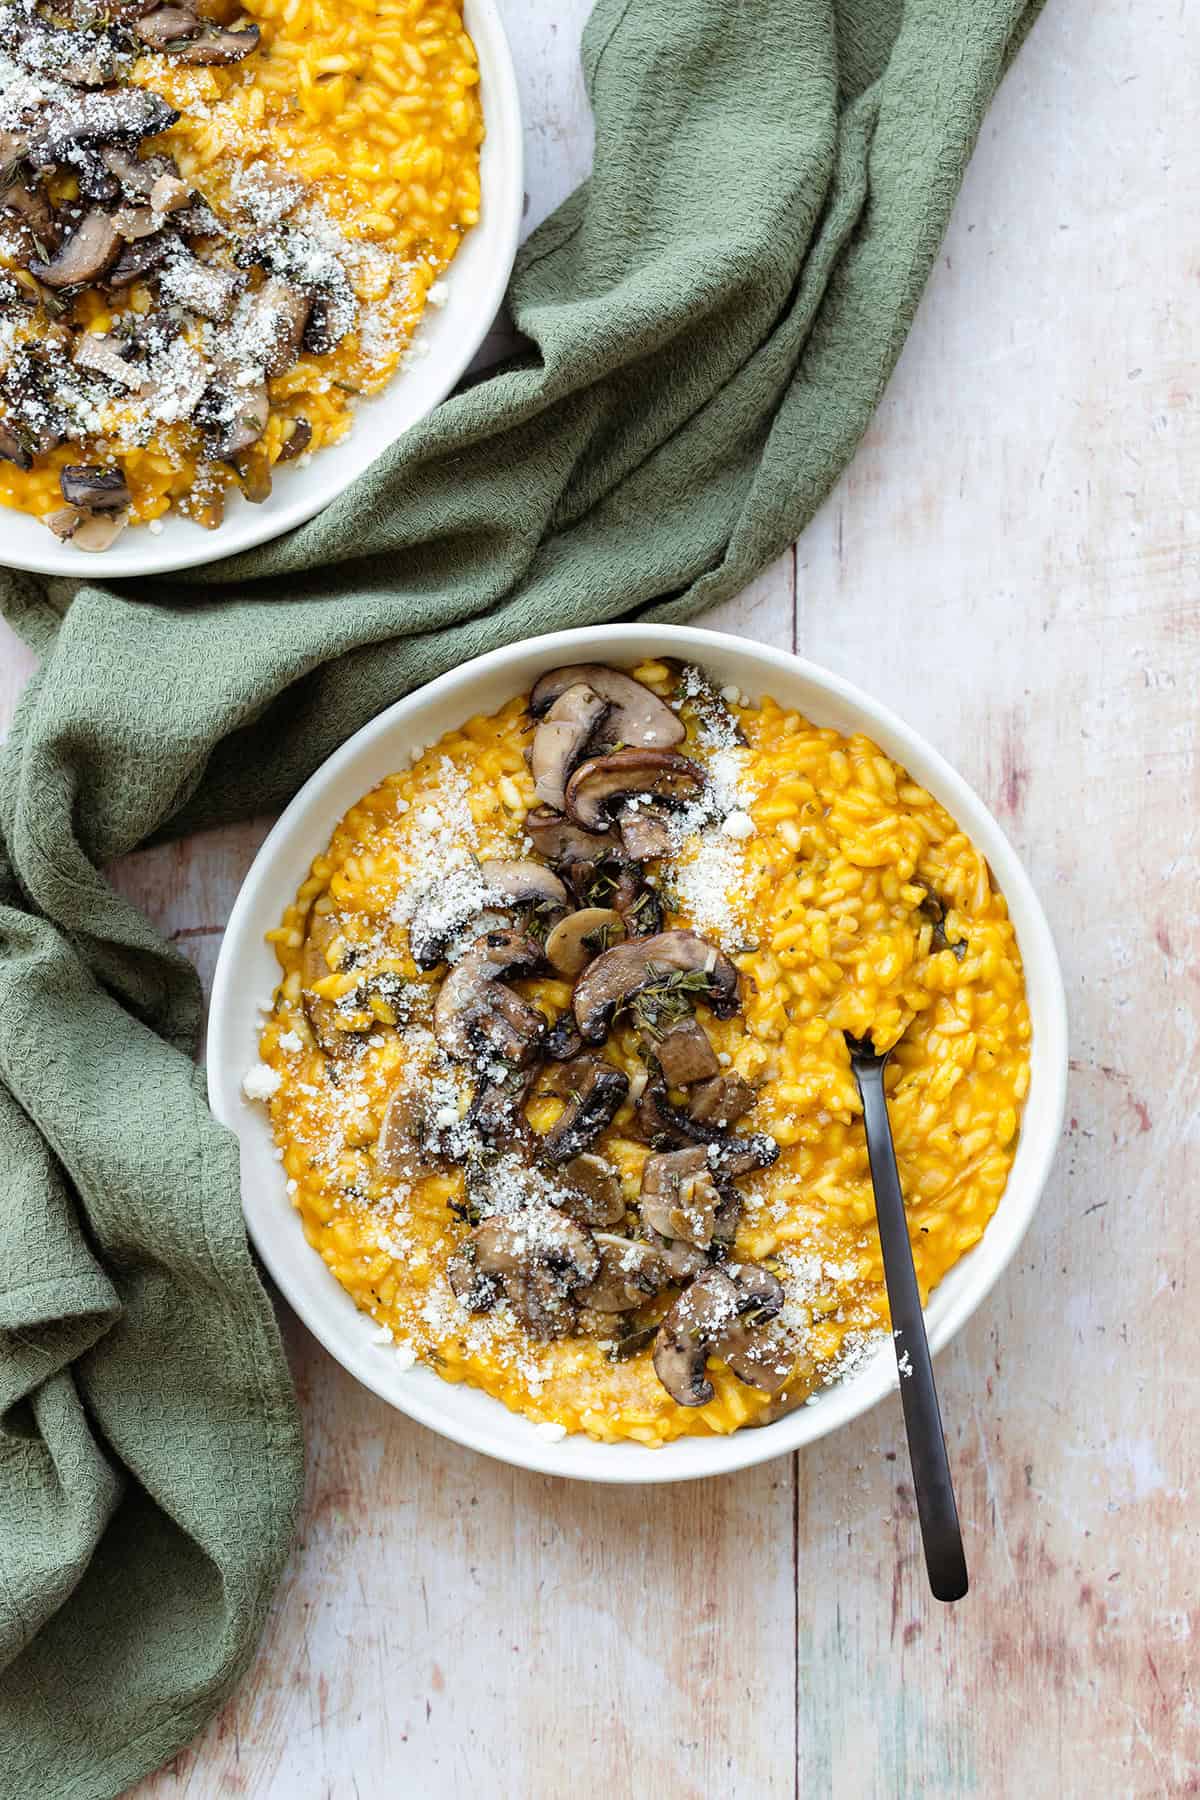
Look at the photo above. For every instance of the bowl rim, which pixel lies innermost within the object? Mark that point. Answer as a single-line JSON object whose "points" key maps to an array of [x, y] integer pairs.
{"points": [[509, 1436], [140, 554]]}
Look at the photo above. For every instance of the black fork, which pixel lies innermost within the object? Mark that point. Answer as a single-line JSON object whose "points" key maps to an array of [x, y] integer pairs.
{"points": [[934, 1487]]}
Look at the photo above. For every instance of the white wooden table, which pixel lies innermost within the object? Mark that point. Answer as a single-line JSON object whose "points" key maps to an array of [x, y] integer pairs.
{"points": [[1012, 563]]}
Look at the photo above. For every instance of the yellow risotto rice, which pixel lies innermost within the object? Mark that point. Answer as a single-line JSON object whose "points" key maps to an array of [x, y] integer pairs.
{"points": [[829, 923], [374, 106]]}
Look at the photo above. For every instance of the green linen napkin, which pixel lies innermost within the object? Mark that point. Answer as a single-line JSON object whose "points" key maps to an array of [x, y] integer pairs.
{"points": [[711, 319]]}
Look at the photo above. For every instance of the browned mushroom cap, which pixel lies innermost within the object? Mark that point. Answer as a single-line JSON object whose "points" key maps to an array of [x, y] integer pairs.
{"points": [[561, 739], [91, 249], [679, 1196], [498, 885], [597, 1093], [496, 1114], [685, 1054], [109, 116], [669, 959], [561, 842], [12, 449], [176, 31], [747, 1349], [666, 1127], [141, 258], [562, 1043], [645, 833], [631, 1272], [723, 1311], [27, 207], [474, 1009], [575, 940], [721, 1101], [204, 288], [100, 356], [86, 531], [604, 785], [637, 716], [593, 1193], [274, 325], [94, 489], [399, 1132], [540, 1259]]}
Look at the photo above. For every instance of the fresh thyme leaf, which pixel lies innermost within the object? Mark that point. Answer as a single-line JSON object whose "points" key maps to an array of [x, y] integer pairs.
{"points": [[622, 1348]]}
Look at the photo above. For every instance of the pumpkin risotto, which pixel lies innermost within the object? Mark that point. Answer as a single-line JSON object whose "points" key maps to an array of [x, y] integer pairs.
{"points": [[219, 226], [556, 1066]]}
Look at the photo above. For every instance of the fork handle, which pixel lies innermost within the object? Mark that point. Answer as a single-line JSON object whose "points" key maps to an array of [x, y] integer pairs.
{"points": [[936, 1509]]}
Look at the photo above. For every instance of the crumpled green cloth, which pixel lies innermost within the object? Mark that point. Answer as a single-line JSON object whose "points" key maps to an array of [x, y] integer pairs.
{"points": [[712, 319]]}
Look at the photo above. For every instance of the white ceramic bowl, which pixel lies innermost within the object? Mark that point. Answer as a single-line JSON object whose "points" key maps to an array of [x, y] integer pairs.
{"points": [[247, 972], [476, 282]]}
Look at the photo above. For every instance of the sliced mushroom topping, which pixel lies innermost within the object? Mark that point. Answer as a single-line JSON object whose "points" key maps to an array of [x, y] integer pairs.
{"points": [[575, 940], [721, 1101], [12, 449], [631, 1272], [562, 1043], [205, 288], [645, 833], [214, 45], [666, 1126], [601, 787], [679, 1196], [232, 418], [86, 531], [637, 716], [499, 885], [497, 1110], [109, 116], [399, 1133], [94, 489], [166, 26], [27, 204], [595, 1196], [274, 325], [561, 739], [296, 442], [593, 1103], [677, 960], [139, 259], [563, 843], [99, 355], [538, 1258], [685, 1055], [723, 1312], [473, 1008], [92, 248]]}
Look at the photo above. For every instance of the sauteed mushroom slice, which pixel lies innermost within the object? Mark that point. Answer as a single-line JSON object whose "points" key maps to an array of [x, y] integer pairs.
{"points": [[679, 1196], [603, 786], [496, 1113], [562, 1043], [538, 1258], [594, 1195], [730, 1154], [721, 1101], [575, 940], [94, 489], [645, 833], [498, 885], [678, 960], [100, 356], [12, 449], [685, 1055], [565, 844], [722, 1312], [297, 441], [90, 251], [274, 325], [561, 739], [596, 1097], [631, 1272], [637, 715], [474, 1009]]}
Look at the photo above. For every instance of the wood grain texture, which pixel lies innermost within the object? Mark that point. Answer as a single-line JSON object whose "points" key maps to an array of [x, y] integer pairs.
{"points": [[1011, 562]]}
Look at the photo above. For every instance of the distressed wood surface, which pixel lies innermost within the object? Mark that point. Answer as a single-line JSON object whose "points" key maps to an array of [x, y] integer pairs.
{"points": [[1011, 562]]}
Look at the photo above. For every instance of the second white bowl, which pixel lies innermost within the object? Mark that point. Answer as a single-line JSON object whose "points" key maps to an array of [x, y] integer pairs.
{"points": [[247, 973]]}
